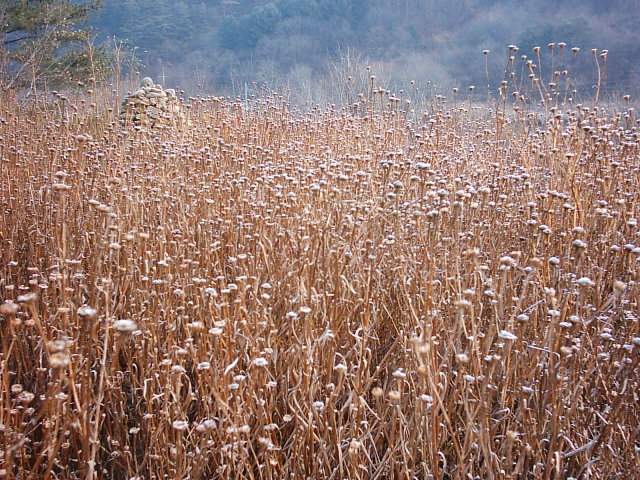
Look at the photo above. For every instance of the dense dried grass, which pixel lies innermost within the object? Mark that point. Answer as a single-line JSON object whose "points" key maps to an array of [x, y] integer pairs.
{"points": [[361, 294]]}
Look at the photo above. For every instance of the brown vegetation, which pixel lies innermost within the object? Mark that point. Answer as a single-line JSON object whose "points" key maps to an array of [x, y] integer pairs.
{"points": [[322, 294]]}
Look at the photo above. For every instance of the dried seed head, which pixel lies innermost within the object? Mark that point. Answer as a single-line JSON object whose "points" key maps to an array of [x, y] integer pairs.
{"points": [[260, 362], [87, 312], [505, 335], [206, 426], [619, 287], [341, 368], [196, 327], [180, 425], [27, 297], [464, 304], [56, 346], [585, 282], [125, 326], [26, 397], [8, 309], [394, 395], [59, 360], [579, 244], [203, 366], [60, 187], [462, 358], [354, 446], [216, 331], [508, 261]]}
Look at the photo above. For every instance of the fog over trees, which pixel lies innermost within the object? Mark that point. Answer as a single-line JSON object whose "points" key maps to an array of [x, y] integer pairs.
{"points": [[298, 44]]}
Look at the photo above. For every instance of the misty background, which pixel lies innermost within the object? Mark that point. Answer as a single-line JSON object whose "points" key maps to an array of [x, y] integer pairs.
{"points": [[309, 46]]}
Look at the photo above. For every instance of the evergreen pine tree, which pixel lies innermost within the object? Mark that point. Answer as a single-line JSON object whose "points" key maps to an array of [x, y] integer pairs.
{"points": [[46, 41]]}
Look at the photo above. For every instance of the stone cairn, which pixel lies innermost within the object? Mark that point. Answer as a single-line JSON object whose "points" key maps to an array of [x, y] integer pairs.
{"points": [[152, 106]]}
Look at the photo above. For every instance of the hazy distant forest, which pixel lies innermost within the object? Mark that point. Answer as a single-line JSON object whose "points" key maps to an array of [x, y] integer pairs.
{"points": [[294, 44]]}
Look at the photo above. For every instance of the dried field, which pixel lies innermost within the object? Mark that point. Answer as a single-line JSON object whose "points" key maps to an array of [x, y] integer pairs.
{"points": [[325, 295]]}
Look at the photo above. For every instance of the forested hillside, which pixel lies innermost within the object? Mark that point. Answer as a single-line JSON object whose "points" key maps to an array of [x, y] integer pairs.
{"points": [[226, 43]]}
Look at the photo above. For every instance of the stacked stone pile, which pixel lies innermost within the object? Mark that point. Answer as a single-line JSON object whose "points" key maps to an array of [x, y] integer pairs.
{"points": [[152, 106]]}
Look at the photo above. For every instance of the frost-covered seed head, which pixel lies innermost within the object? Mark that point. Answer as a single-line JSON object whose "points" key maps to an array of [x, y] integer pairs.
{"points": [[125, 326]]}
